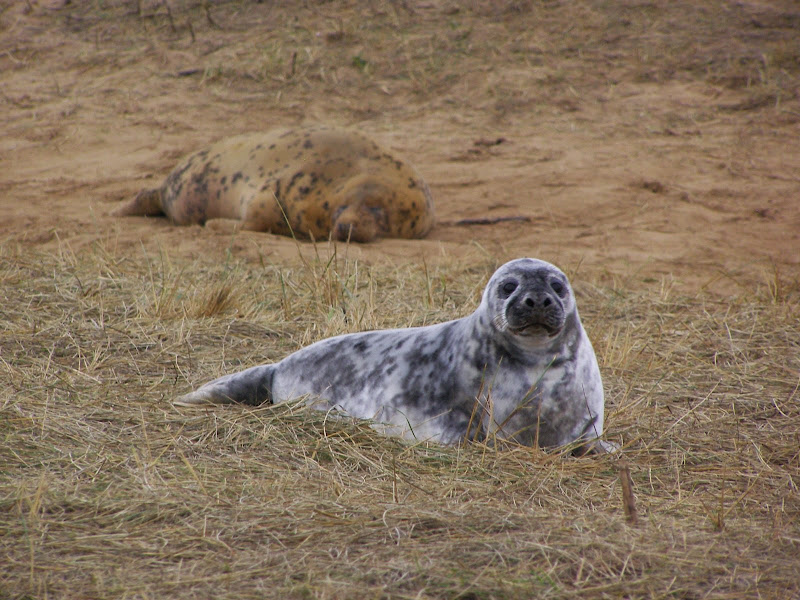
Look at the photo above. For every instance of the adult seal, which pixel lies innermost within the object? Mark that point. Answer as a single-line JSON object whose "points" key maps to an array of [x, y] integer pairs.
{"points": [[521, 368], [307, 182]]}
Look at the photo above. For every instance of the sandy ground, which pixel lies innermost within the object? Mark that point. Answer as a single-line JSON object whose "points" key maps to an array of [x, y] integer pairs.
{"points": [[639, 150]]}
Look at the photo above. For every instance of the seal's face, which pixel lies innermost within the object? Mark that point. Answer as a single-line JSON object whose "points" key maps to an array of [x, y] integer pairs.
{"points": [[530, 299], [358, 223]]}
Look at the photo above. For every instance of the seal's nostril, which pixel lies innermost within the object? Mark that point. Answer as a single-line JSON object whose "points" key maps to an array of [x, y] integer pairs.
{"points": [[529, 302], [547, 302]]}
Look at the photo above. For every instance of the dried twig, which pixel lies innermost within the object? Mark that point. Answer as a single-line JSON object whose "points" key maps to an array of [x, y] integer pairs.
{"points": [[487, 220], [628, 500]]}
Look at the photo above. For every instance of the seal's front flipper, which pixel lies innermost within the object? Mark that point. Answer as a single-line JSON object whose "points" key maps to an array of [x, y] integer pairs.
{"points": [[596, 447], [252, 386], [604, 447], [225, 225]]}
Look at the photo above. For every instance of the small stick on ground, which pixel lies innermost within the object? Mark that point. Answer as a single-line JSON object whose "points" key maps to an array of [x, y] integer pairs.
{"points": [[487, 220], [628, 501], [490, 141], [210, 20], [169, 15]]}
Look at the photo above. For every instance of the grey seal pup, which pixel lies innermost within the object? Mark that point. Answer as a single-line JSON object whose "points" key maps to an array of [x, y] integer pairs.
{"points": [[520, 368]]}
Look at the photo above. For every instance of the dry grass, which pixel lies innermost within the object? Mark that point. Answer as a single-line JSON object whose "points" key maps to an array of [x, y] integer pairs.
{"points": [[363, 55], [108, 491]]}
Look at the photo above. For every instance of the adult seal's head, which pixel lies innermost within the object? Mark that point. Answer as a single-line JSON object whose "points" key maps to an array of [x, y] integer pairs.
{"points": [[519, 368]]}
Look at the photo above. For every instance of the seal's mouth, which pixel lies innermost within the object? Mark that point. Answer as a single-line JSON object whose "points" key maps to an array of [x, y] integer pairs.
{"points": [[536, 330]]}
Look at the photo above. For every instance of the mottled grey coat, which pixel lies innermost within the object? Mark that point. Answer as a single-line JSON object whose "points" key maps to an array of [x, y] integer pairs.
{"points": [[520, 367]]}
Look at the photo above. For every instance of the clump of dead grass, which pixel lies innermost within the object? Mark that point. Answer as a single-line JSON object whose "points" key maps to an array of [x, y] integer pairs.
{"points": [[107, 490]]}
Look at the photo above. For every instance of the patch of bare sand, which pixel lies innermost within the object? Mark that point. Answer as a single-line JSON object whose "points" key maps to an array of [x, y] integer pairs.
{"points": [[621, 170]]}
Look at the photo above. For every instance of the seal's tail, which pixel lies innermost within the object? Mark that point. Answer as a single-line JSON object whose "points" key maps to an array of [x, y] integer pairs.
{"points": [[252, 386], [147, 203]]}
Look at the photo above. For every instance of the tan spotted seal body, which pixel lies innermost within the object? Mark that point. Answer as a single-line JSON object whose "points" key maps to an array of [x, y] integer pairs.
{"points": [[307, 182]]}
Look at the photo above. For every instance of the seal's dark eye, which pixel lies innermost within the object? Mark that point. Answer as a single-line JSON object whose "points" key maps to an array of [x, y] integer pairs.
{"points": [[558, 288], [509, 287]]}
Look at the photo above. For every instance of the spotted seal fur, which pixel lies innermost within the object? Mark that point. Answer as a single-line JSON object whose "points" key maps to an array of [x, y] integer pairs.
{"points": [[308, 182], [521, 367]]}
